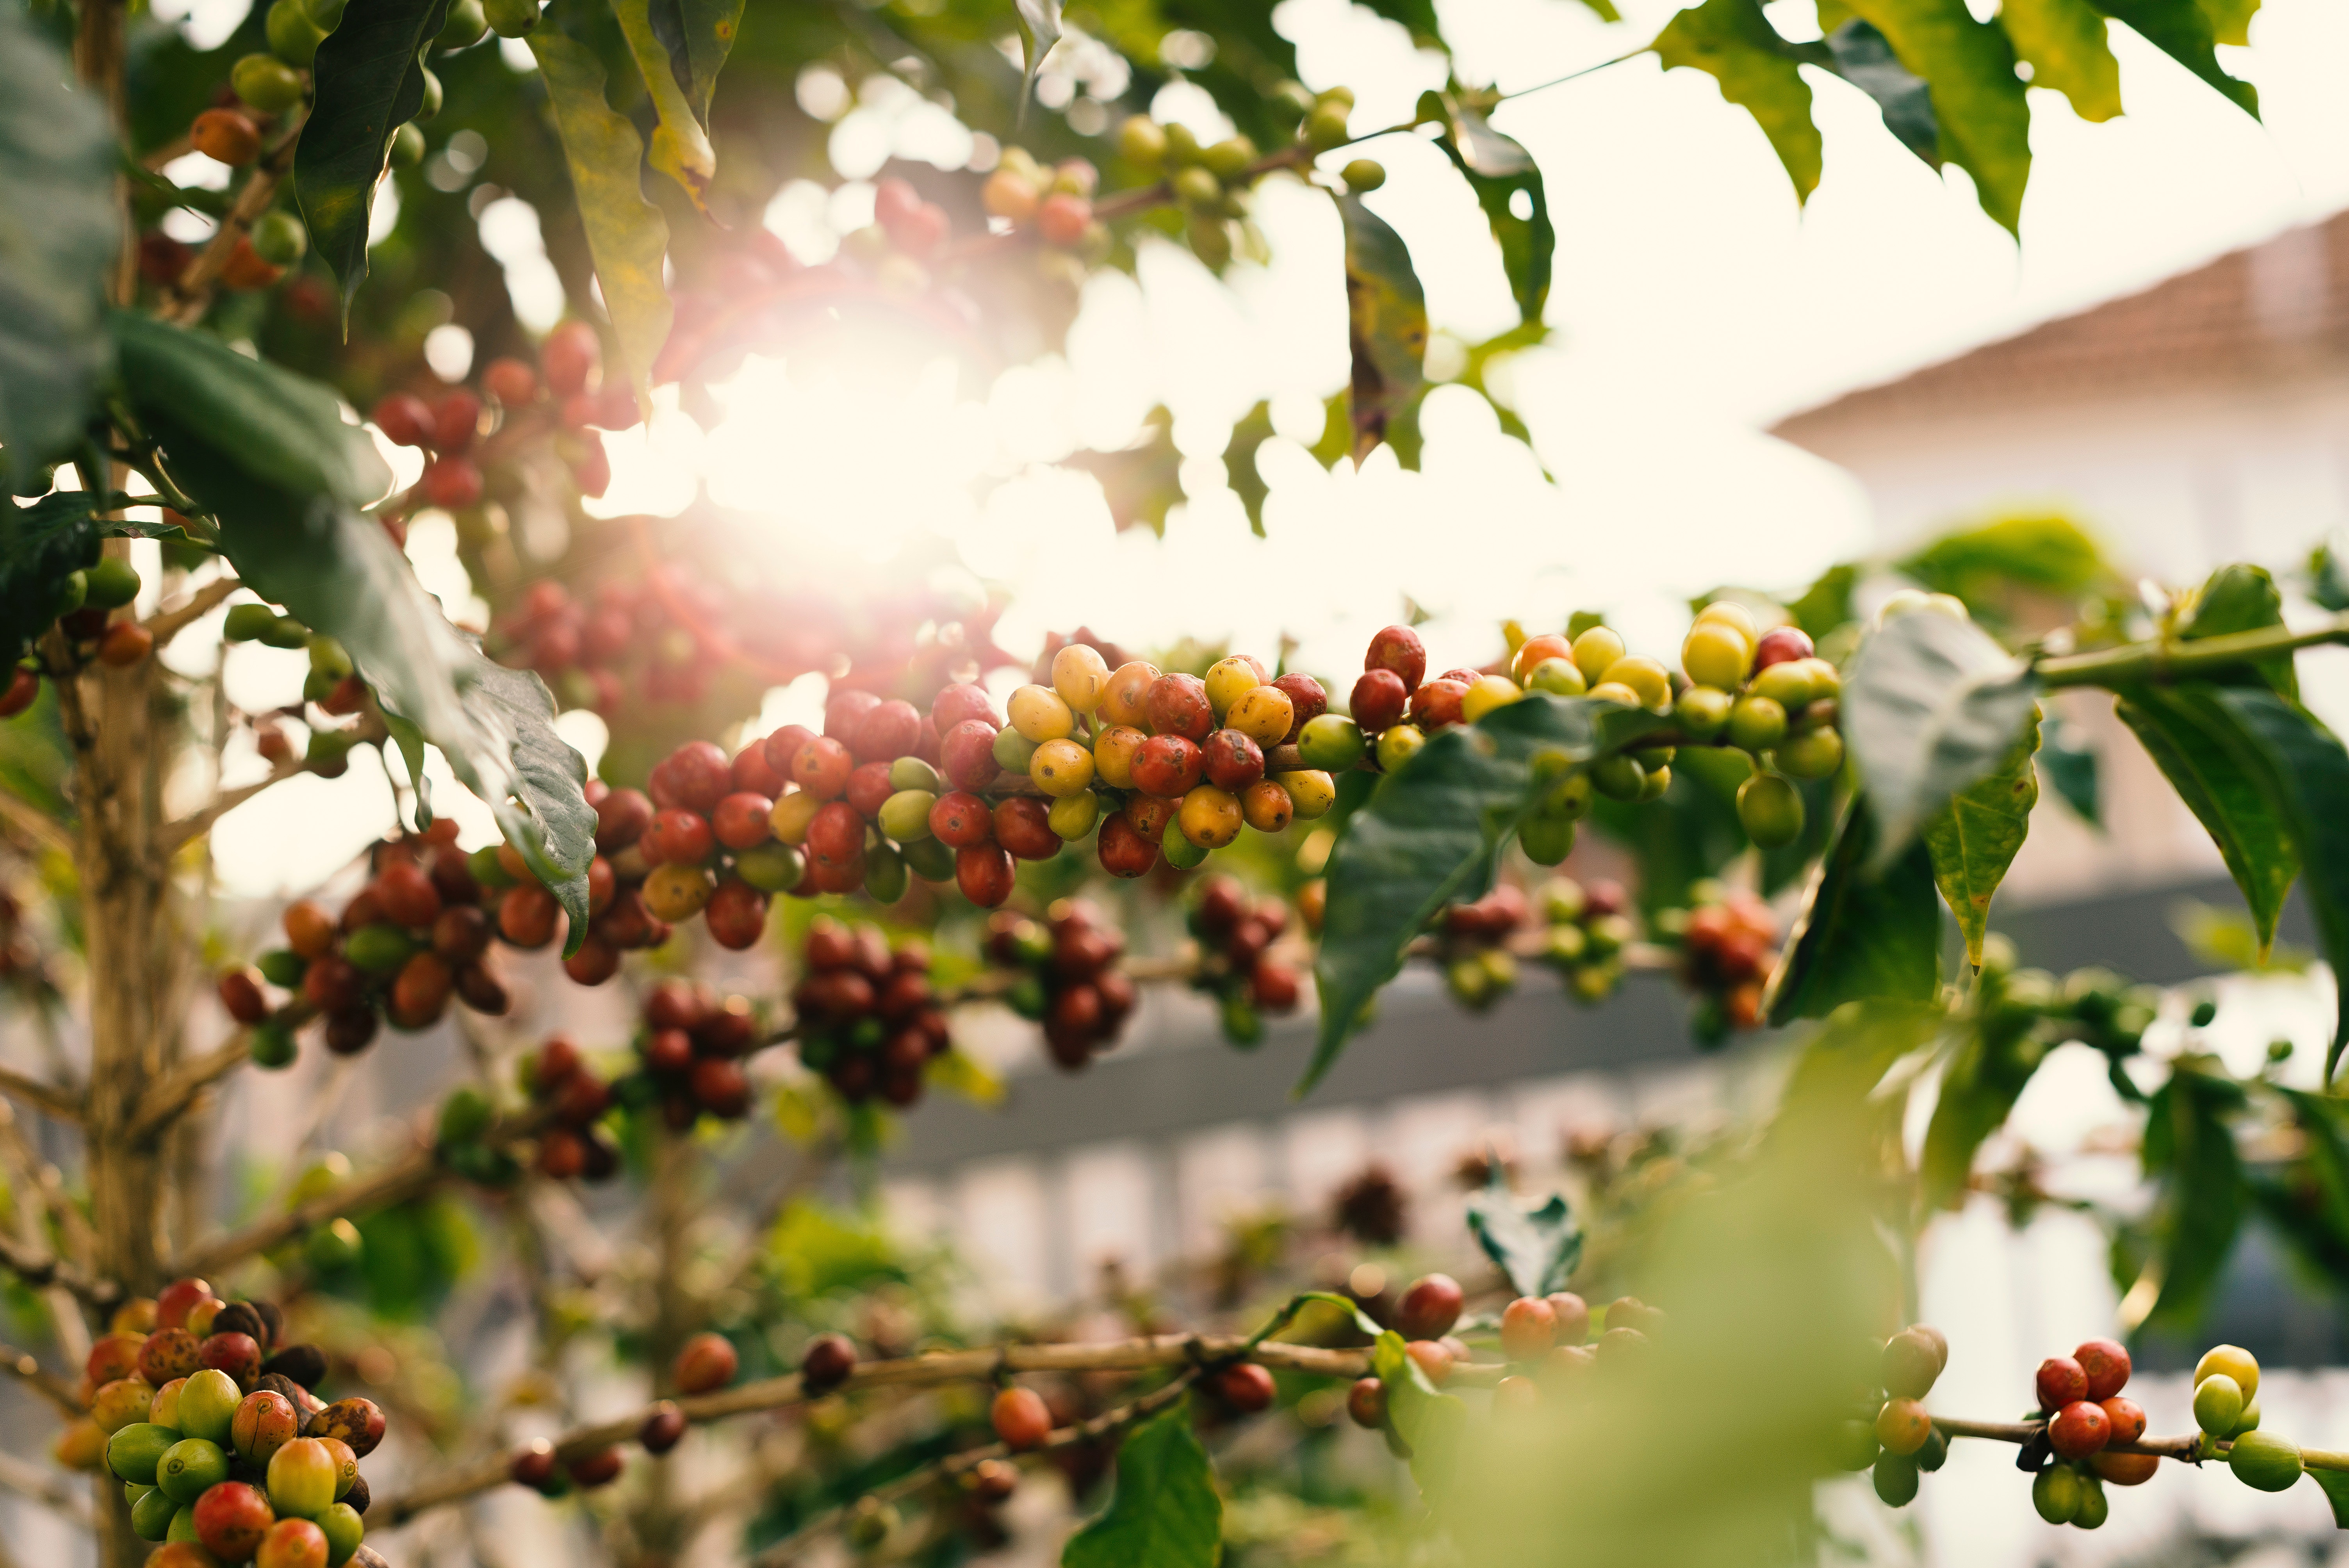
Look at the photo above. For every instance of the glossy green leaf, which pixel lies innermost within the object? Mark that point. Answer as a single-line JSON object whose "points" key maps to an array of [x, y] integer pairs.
{"points": [[2335, 1486], [1386, 315], [61, 233], [1976, 836], [1978, 99], [2305, 774], [2242, 598], [1346, 1306], [1733, 42], [2189, 1150], [1931, 704], [1431, 833], [1864, 57], [369, 81], [288, 431], [1502, 175], [2064, 43], [2202, 752], [1983, 1078], [40, 546], [1164, 1511], [2043, 553], [627, 234], [2068, 760], [1429, 1423], [1039, 29], [1537, 1247], [232, 432], [2182, 30], [1863, 935], [680, 147]]}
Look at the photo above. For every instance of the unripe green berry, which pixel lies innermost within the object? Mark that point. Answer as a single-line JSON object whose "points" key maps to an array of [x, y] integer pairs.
{"points": [[912, 773], [1182, 146], [1659, 780], [1211, 241], [1199, 189], [430, 107], [1229, 159], [906, 816], [72, 592], [1896, 1480], [1547, 837], [1788, 685], [885, 873], [1179, 851], [268, 83], [1814, 756], [510, 18], [1142, 141], [464, 27], [1757, 724], [2056, 1493], [272, 1045], [927, 859], [1398, 744], [1619, 778], [1331, 742], [2218, 1405], [324, 14], [1363, 175], [1572, 797], [2094, 1509], [110, 584], [1073, 816], [1770, 809], [407, 146], [1557, 677], [1013, 751], [293, 36], [2265, 1462], [278, 238], [286, 632], [774, 867], [1701, 712], [1325, 127]]}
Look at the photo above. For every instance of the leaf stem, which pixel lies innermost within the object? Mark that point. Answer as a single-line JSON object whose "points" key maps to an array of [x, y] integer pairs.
{"points": [[2169, 660]]}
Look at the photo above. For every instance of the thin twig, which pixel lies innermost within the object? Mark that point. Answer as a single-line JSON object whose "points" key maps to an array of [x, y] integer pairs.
{"points": [[191, 293], [394, 1183], [169, 1097], [36, 823], [200, 822], [48, 1384], [58, 1103], [38, 1270], [169, 623]]}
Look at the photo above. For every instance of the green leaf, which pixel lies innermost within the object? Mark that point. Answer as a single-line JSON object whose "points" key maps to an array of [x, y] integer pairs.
{"points": [[1983, 1079], [1418, 17], [680, 147], [286, 431], [1986, 566], [1864, 57], [1975, 838], [369, 81], [2230, 20], [2335, 1485], [2203, 753], [1039, 29], [2183, 30], [2189, 1150], [1977, 97], [234, 433], [1931, 704], [701, 34], [2064, 43], [1386, 313], [1733, 42], [2307, 1199], [2305, 774], [40, 546], [1827, 602], [1429, 1423], [1142, 480], [1537, 1248], [1498, 169], [2067, 757], [1348, 1307], [1249, 433], [2241, 598], [627, 234], [1430, 835], [63, 232], [1166, 1511], [1862, 935]]}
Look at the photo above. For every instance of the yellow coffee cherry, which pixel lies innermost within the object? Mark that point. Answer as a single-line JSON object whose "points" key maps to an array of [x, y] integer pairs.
{"points": [[1038, 714], [1616, 692], [1486, 694], [1558, 677], [1079, 674], [1073, 816], [1262, 713], [1398, 744], [1715, 653], [1645, 675], [791, 815], [1114, 751], [1788, 685], [1061, 767], [1210, 817], [1826, 681], [1594, 651], [674, 892], [1265, 806], [1311, 792], [1731, 613], [1231, 679], [2230, 1361]]}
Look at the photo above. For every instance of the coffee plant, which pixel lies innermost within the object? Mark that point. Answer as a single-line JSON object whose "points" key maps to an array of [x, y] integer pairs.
{"points": [[185, 357]]}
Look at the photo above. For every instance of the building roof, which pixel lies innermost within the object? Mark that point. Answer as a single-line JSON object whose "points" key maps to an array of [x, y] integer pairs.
{"points": [[2276, 310]]}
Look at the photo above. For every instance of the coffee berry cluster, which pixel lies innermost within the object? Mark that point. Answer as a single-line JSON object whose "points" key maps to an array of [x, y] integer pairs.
{"points": [[1065, 975], [2227, 1409], [1237, 964], [559, 1081], [82, 611], [416, 935], [869, 1019], [1210, 183], [223, 1450], [1892, 1435], [1472, 945], [1728, 945], [1586, 929]]}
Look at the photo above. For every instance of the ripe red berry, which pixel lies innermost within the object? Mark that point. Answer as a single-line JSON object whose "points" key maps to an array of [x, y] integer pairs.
{"points": [[1021, 1420], [1379, 700], [1177, 705], [2062, 1381], [533, 1466], [592, 469], [823, 767], [668, 1051], [663, 1428], [23, 686], [572, 358], [1780, 644], [419, 992], [829, 1360], [230, 1518], [1431, 1305], [1024, 826], [1167, 765], [1366, 1402], [453, 482], [225, 136], [1063, 219], [961, 819], [405, 894], [755, 774], [958, 703], [983, 871], [1246, 1388], [722, 1088], [510, 382], [706, 1362], [1437, 704], [695, 776], [868, 788], [2127, 1419], [1397, 648], [2106, 1363], [1123, 849], [2079, 1430], [405, 419], [621, 818], [1230, 760], [1307, 701], [967, 754], [1529, 1328], [741, 819], [680, 837], [240, 993], [601, 1467], [126, 643], [1275, 986], [844, 712], [736, 915], [835, 834], [782, 748], [527, 916], [887, 732], [457, 421]]}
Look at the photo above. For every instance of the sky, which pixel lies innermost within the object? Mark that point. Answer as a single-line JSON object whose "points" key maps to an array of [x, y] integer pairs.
{"points": [[1695, 302]]}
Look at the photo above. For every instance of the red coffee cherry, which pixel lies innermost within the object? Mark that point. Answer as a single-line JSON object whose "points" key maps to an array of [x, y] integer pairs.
{"points": [[240, 995], [1230, 760], [1167, 765], [755, 774], [527, 916], [601, 1467], [736, 915], [126, 643], [1779, 645], [663, 1428], [226, 136], [453, 483], [1178, 705], [1903, 1427], [1246, 1388], [705, 1362], [1122, 850], [823, 767], [2079, 1430], [1366, 1402], [2062, 1381], [533, 1466], [887, 732], [1021, 1420], [457, 421], [1431, 1304], [1307, 701], [830, 1358], [1380, 701], [845, 711], [782, 747], [1529, 1328], [2106, 1363], [1398, 649], [24, 687], [961, 819], [958, 703], [621, 818], [741, 819], [572, 358], [1434, 1360], [1063, 219], [405, 419], [2127, 1419], [510, 382], [1275, 986], [835, 834], [1437, 704], [695, 776], [405, 894], [868, 788], [1150, 815], [1572, 1316], [967, 754], [722, 1088], [1023, 825], [983, 872]]}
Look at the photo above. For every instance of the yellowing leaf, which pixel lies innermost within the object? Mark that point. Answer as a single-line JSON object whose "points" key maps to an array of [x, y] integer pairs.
{"points": [[1733, 42], [627, 234], [1977, 97], [1386, 313], [682, 148], [2064, 42]]}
